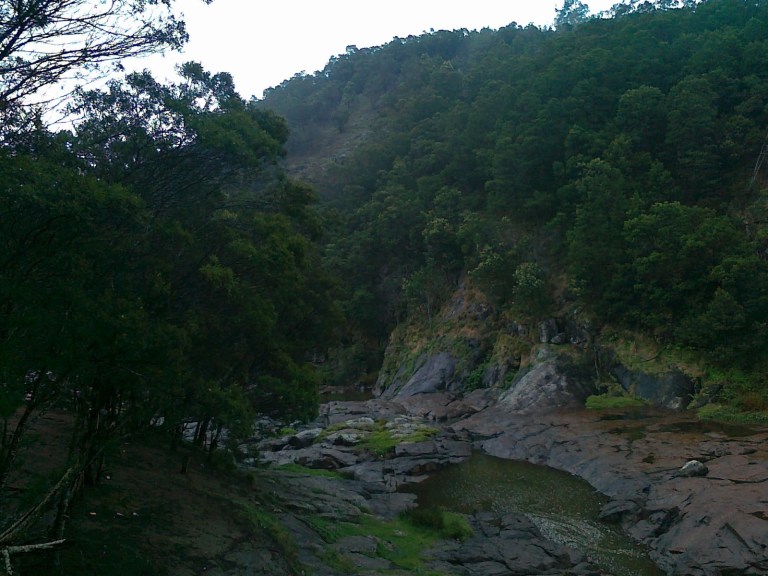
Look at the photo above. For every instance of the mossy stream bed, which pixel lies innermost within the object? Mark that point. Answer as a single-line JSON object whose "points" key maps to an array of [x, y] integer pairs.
{"points": [[563, 507]]}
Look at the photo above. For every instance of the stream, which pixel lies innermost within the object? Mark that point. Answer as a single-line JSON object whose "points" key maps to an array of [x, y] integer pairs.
{"points": [[563, 507]]}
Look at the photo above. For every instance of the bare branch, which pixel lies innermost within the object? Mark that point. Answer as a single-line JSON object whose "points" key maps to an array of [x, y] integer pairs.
{"points": [[43, 42]]}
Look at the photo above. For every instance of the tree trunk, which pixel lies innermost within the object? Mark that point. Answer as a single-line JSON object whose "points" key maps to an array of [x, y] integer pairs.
{"points": [[9, 454], [202, 431]]}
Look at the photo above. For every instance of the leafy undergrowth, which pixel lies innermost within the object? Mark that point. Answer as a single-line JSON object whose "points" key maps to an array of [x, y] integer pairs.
{"points": [[733, 414]]}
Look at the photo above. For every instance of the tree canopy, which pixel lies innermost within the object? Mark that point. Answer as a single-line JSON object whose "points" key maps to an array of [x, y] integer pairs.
{"points": [[613, 151]]}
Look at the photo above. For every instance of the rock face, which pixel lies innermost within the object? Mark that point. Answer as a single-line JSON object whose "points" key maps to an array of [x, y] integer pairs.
{"points": [[688, 490], [434, 374], [694, 525], [509, 545], [552, 383], [673, 389]]}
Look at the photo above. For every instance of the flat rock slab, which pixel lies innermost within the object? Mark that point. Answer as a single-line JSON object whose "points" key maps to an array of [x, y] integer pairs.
{"points": [[695, 526]]}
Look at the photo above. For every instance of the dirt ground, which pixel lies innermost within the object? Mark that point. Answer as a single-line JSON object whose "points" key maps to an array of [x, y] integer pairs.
{"points": [[146, 517]]}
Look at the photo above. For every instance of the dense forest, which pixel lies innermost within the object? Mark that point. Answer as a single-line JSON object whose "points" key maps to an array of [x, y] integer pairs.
{"points": [[158, 269], [610, 164], [167, 265]]}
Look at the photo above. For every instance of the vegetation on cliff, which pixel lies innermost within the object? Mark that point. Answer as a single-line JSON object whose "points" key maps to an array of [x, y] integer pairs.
{"points": [[610, 164]]}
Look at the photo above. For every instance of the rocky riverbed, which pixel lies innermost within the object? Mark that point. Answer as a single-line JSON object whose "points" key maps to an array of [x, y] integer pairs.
{"points": [[713, 523]]}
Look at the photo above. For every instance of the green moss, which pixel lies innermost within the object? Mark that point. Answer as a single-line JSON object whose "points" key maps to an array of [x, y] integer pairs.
{"points": [[381, 441], [299, 469]]}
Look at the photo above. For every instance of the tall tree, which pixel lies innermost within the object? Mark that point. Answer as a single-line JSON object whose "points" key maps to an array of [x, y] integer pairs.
{"points": [[45, 41]]}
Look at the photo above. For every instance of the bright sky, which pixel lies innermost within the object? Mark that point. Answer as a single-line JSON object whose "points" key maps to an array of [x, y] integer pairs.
{"points": [[261, 44]]}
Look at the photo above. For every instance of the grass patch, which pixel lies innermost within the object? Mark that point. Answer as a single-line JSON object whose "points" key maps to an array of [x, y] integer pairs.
{"points": [[449, 525], [728, 413], [401, 540], [612, 401]]}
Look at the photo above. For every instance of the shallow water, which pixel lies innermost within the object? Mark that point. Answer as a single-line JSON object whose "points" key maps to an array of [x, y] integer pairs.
{"points": [[563, 507]]}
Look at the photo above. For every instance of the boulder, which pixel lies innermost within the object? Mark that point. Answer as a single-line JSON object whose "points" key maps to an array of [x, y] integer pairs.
{"points": [[672, 389], [691, 469], [553, 382], [304, 438], [433, 375]]}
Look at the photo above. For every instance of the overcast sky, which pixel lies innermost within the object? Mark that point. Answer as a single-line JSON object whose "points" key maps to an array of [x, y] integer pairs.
{"points": [[263, 43]]}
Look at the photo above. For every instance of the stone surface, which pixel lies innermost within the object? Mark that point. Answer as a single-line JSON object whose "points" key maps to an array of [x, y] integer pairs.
{"points": [[433, 375], [692, 468], [698, 526], [548, 385], [673, 390], [694, 525]]}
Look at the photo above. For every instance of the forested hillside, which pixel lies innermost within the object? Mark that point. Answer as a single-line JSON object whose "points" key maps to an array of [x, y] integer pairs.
{"points": [[610, 165]]}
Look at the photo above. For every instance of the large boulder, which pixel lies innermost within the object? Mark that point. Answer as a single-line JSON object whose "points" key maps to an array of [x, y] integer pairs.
{"points": [[671, 389], [555, 380], [433, 374]]}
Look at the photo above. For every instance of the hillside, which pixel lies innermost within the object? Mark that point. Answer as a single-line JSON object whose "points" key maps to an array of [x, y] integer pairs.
{"points": [[608, 167]]}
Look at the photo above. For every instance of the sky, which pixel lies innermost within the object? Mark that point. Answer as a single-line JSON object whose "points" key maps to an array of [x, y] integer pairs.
{"points": [[264, 43]]}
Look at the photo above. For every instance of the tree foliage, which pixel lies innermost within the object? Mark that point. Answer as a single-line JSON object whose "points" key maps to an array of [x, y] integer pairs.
{"points": [[159, 270], [616, 152]]}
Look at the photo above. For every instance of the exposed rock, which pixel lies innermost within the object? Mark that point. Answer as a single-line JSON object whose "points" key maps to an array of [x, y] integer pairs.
{"points": [[434, 374], [550, 384], [510, 545], [362, 423], [344, 438], [618, 511], [550, 332], [304, 438], [692, 468], [672, 389], [695, 526]]}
